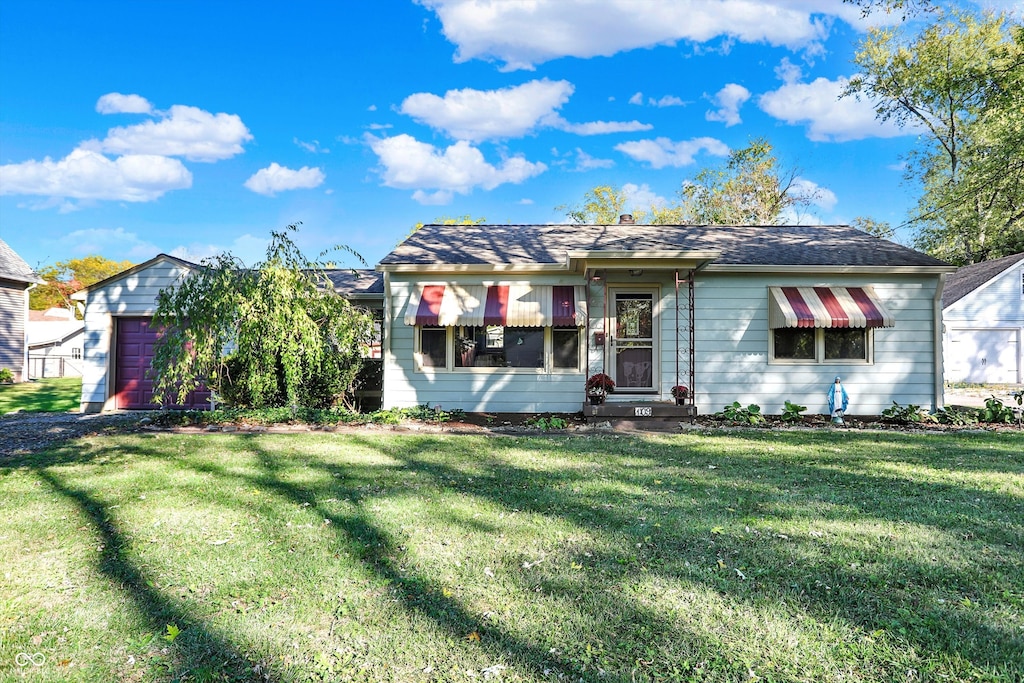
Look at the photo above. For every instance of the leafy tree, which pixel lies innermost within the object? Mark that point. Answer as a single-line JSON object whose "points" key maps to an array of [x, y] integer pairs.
{"points": [[601, 205], [751, 187], [907, 8], [960, 81], [64, 278], [293, 341], [872, 227]]}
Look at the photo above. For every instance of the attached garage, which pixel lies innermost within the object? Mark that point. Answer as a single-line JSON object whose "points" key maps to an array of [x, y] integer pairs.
{"points": [[133, 355], [119, 339]]}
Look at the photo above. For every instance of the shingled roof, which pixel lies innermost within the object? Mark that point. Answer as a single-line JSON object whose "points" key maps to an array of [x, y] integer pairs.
{"points": [[14, 268], [357, 283], [782, 245], [969, 278]]}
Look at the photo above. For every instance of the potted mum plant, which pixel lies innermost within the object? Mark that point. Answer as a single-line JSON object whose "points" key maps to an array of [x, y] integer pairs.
{"points": [[680, 393], [599, 385]]}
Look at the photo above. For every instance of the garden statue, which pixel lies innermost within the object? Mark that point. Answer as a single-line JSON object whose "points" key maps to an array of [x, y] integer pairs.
{"points": [[837, 392]]}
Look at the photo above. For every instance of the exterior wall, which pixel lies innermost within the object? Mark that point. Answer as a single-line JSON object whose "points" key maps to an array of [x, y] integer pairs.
{"points": [[998, 308], [731, 352], [131, 295], [44, 360], [472, 390], [733, 357], [13, 313]]}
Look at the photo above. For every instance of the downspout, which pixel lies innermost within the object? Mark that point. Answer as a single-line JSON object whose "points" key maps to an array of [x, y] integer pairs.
{"points": [[25, 374], [385, 341], [586, 340], [939, 398]]}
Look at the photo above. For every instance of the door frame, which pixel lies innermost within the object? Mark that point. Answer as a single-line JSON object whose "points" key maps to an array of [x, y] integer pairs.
{"points": [[654, 289]]}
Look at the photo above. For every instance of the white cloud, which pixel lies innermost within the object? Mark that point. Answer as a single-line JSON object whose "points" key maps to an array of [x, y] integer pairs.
{"points": [[668, 101], [439, 198], [276, 178], [598, 127], [248, 248], [477, 115], [662, 152], [828, 118], [407, 163], [525, 202], [729, 100], [787, 71], [88, 175], [114, 243], [642, 197], [821, 197], [116, 103], [313, 147], [523, 34], [183, 131], [637, 98], [585, 162]]}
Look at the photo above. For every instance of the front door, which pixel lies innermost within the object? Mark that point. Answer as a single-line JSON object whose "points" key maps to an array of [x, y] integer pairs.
{"points": [[633, 344]]}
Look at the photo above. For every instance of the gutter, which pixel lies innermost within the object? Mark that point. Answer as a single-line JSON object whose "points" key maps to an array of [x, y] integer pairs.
{"points": [[939, 389]]}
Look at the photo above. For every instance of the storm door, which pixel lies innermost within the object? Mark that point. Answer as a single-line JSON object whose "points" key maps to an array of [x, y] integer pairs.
{"points": [[633, 343]]}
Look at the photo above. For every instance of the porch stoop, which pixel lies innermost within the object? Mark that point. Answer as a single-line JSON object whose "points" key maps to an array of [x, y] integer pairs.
{"points": [[646, 411]]}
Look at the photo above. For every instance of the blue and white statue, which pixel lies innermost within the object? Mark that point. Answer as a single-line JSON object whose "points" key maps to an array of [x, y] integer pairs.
{"points": [[837, 392]]}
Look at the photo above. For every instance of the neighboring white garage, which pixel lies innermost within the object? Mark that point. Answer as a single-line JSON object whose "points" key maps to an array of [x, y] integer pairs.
{"points": [[983, 319]]}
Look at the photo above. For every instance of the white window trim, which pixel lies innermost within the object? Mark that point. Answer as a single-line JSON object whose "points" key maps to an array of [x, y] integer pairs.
{"points": [[449, 366], [819, 351]]}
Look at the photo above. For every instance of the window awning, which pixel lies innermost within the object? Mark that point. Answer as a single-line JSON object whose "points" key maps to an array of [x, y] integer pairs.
{"points": [[512, 305], [826, 307]]}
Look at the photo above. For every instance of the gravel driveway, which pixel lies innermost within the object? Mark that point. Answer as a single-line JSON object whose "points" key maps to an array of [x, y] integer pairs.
{"points": [[22, 433]]}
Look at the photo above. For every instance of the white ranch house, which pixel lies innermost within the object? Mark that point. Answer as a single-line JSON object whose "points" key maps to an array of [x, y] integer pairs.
{"points": [[514, 318]]}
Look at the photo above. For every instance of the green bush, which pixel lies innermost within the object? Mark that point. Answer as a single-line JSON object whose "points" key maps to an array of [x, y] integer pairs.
{"points": [[996, 412], [742, 415], [792, 412], [908, 414], [6, 376], [959, 418]]}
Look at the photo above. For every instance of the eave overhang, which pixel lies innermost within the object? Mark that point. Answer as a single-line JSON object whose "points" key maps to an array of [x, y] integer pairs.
{"points": [[830, 270]]}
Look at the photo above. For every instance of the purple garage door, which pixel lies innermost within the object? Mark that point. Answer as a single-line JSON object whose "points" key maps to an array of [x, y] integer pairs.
{"points": [[133, 384]]}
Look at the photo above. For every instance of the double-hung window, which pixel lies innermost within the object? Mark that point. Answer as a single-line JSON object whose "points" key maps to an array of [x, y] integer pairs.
{"points": [[497, 328], [824, 324]]}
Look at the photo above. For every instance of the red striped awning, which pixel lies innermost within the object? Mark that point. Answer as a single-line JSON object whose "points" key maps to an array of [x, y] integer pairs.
{"points": [[826, 307], [512, 305]]}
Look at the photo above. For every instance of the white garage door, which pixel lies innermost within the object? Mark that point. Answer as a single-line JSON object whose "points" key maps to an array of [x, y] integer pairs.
{"points": [[984, 356]]}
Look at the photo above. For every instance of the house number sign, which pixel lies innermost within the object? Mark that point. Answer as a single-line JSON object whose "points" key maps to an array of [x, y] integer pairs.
{"points": [[643, 411]]}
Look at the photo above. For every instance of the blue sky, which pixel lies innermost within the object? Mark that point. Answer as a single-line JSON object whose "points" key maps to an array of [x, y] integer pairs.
{"points": [[129, 129]]}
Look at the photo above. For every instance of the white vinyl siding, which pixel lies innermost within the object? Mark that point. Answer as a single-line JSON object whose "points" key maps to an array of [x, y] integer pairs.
{"points": [[470, 389], [131, 295], [13, 312], [984, 332], [732, 344]]}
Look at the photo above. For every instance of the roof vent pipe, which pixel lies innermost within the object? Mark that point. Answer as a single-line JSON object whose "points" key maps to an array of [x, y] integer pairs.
{"points": [[626, 219]]}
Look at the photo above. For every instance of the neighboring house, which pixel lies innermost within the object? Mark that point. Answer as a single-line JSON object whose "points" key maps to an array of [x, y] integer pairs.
{"points": [[54, 339], [16, 278], [505, 318], [120, 339], [513, 318], [983, 317]]}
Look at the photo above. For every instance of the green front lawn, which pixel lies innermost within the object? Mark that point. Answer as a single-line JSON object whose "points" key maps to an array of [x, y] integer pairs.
{"points": [[55, 395], [371, 556]]}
